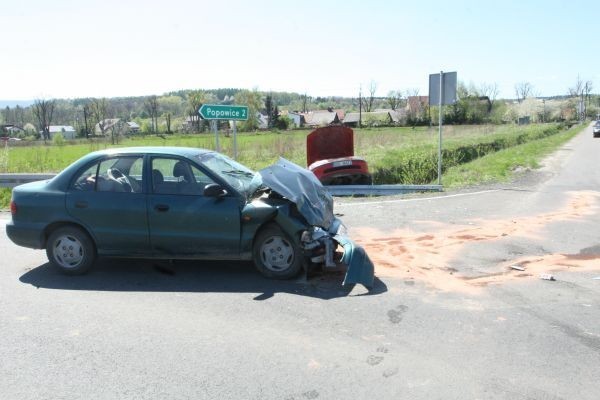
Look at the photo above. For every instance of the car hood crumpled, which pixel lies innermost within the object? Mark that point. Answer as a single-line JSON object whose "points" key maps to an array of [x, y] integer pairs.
{"points": [[301, 187]]}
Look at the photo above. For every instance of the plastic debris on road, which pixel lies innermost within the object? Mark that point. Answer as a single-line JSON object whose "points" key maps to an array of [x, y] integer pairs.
{"points": [[547, 277], [517, 267]]}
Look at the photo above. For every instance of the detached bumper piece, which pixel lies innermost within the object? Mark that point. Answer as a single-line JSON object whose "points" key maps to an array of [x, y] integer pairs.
{"points": [[360, 267]]}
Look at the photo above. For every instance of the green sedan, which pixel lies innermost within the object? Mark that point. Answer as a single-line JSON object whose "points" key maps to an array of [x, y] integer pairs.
{"points": [[184, 203]]}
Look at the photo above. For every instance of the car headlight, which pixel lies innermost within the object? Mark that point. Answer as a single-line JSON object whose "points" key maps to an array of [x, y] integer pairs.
{"points": [[338, 228]]}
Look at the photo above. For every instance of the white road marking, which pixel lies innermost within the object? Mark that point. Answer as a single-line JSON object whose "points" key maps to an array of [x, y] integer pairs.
{"points": [[417, 199]]}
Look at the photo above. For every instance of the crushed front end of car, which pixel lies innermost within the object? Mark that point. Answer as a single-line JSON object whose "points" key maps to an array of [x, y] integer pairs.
{"points": [[325, 242]]}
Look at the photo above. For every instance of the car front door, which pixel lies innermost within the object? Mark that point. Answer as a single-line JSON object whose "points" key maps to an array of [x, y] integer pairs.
{"points": [[108, 199], [185, 223]]}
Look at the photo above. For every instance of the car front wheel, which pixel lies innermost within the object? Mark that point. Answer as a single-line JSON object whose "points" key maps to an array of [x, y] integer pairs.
{"points": [[70, 250], [275, 254]]}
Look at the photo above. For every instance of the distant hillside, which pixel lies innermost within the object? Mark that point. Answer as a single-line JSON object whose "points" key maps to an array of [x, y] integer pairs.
{"points": [[14, 103]]}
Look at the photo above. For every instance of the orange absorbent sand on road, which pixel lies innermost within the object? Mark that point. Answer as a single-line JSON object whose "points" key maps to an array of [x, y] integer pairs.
{"points": [[427, 257]]}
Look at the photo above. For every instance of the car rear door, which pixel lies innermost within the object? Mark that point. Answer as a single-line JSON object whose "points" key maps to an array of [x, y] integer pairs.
{"points": [[185, 223], [113, 211]]}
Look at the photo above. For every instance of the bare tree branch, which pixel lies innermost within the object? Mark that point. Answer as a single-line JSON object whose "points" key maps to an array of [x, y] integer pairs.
{"points": [[43, 111], [368, 101], [523, 90], [394, 99], [490, 90], [151, 105]]}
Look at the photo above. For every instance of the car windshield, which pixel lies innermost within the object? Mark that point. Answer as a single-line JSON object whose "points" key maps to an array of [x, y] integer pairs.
{"points": [[240, 177]]}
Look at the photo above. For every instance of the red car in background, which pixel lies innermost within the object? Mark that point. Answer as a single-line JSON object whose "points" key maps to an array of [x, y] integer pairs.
{"points": [[330, 156]]}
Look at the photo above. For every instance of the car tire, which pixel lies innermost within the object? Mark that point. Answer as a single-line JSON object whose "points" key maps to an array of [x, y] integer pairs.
{"points": [[275, 254], [70, 250]]}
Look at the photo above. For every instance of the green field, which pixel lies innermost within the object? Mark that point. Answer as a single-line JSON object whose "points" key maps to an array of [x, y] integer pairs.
{"points": [[472, 154]]}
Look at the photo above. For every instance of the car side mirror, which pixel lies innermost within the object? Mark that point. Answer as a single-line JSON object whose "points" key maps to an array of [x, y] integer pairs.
{"points": [[214, 190]]}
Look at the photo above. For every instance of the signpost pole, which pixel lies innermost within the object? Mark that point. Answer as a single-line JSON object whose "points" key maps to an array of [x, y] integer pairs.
{"points": [[215, 127], [440, 130], [234, 141]]}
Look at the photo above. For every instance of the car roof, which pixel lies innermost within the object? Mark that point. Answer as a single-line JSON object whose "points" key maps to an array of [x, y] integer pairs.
{"points": [[61, 180], [170, 150]]}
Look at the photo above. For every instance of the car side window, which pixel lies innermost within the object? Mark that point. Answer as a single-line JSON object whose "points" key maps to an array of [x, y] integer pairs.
{"points": [[175, 176], [86, 181], [120, 174]]}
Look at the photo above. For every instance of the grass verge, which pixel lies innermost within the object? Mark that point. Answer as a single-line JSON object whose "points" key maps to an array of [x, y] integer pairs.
{"points": [[500, 166], [395, 155]]}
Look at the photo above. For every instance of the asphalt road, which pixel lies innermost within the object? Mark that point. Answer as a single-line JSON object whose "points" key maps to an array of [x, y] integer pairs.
{"points": [[448, 318]]}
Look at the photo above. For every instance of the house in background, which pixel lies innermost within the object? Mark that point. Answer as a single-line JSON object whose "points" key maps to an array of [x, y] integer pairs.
{"points": [[416, 106], [380, 117], [397, 116], [67, 131], [263, 121], [351, 119], [314, 119], [111, 126], [133, 127], [11, 130], [296, 118]]}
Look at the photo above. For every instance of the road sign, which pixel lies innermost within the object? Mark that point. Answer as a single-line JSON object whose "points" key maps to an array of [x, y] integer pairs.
{"points": [[448, 88], [219, 111]]}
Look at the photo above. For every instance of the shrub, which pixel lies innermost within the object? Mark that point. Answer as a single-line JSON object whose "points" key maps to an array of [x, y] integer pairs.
{"points": [[419, 166], [58, 139]]}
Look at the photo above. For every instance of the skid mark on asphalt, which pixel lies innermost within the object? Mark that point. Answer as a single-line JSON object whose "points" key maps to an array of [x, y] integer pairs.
{"points": [[425, 257]]}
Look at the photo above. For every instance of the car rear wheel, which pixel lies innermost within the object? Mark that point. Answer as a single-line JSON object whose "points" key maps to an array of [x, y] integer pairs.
{"points": [[275, 254], [70, 250]]}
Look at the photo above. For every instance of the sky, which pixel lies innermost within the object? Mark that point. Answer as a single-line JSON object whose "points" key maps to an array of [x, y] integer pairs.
{"points": [[111, 48]]}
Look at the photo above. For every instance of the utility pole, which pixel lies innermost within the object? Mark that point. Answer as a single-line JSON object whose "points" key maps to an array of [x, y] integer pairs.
{"points": [[440, 128], [360, 107], [544, 112]]}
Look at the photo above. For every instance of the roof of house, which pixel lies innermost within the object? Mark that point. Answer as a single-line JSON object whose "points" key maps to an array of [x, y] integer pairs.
{"points": [[108, 123], [60, 128], [340, 113], [382, 115], [352, 117], [318, 118]]}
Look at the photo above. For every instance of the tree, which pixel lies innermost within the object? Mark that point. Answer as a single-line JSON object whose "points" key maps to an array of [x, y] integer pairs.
{"points": [[269, 110], [99, 112], [587, 89], [368, 101], [577, 89], [581, 90], [491, 91], [151, 105], [253, 101], [195, 100], [305, 100], [44, 111], [274, 120], [394, 99], [19, 116], [523, 90], [168, 122], [88, 124], [7, 115]]}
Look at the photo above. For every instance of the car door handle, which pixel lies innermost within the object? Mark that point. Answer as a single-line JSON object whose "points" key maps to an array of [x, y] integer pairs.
{"points": [[81, 204], [161, 207]]}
